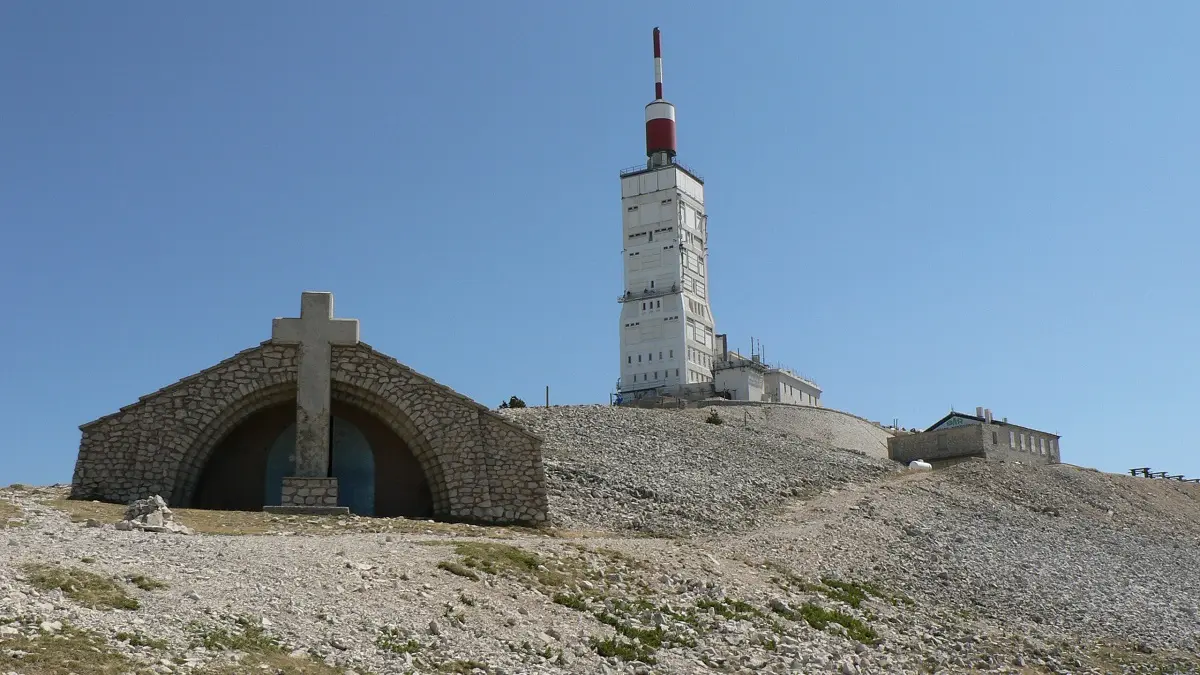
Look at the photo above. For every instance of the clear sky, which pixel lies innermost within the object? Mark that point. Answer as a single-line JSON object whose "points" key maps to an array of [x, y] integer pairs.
{"points": [[918, 205]]}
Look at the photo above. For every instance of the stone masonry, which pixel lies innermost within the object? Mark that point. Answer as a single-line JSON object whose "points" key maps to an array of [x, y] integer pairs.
{"points": [[480, 466], [986, 440], [302, 491]]}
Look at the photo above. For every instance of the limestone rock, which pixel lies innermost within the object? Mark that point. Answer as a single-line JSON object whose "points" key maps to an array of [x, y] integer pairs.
{"points": [[152, 515]]}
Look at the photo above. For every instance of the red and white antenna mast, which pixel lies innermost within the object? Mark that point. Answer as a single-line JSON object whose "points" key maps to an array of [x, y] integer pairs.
{"points": [[660, 117]]}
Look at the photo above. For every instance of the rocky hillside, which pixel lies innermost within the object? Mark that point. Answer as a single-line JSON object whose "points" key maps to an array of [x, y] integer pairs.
{"points": [[671, 472], [861, 568]]}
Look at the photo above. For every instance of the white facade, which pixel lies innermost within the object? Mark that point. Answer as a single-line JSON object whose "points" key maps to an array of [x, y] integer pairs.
{"points": [[667, 337], [743, 381], [784, 386]]}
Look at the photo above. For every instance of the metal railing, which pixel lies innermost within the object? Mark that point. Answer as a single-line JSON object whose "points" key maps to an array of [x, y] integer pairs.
{"points": [[641, 168]]}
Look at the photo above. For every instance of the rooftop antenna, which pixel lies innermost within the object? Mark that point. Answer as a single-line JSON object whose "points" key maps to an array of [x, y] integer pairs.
{"points": [[660, 117]]}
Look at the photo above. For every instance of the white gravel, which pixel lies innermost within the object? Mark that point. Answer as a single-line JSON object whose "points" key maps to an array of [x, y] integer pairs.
{"points": [[980, 567], [670, 472]]}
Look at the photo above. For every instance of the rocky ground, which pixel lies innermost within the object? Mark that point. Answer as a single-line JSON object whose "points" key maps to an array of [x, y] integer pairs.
{"points": [[669, 472], [849, 566]]}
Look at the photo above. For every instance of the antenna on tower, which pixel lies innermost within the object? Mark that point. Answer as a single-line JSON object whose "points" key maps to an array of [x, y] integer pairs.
{"points": [[657, 65], [660, 117]]}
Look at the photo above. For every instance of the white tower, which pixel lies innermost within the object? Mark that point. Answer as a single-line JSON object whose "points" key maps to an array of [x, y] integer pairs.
{"points": [[667, 342]]}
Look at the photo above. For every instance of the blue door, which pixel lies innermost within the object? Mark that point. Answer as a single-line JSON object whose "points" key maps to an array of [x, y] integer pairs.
{"points": [[353, 466], [281, 462]]}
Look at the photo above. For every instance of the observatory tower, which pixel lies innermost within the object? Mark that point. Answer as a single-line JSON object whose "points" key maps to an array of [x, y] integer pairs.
{"points": [[667, 337]]}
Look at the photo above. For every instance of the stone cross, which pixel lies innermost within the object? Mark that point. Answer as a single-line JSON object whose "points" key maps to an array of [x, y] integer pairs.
{"points": [[316, 331]]}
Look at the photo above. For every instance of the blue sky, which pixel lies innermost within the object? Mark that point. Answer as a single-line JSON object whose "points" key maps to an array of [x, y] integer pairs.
{"points": [[918, 205]]}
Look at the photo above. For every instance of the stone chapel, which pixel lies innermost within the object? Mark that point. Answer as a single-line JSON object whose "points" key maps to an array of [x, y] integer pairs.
{"points": [[315, 421]]}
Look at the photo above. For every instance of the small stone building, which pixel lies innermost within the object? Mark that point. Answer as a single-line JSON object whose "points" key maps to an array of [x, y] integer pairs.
{"points": [[959, 436], [315, 418]]}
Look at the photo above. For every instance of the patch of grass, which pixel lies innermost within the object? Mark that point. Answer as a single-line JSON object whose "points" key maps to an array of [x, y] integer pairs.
{"points": [[651, 638], [457, 568], [146, 583], [139, 640], [714, 418], [623, 649], [1126, 657], [462, 666], [276, 663], [69, 651], [730, 609], [86, 588], [18, 486], [394, 640], [206, 521], [819, 618], [496, 558], [248, 637], [851, 593], [572, 601], [87, 560], [8, 510], [504, 559]]}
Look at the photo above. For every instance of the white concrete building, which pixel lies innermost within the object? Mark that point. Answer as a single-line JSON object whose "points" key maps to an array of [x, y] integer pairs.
{"points": [[742, 378], [666, 319], [738, 377], [669, 345], [667, 336], [784, 386]]}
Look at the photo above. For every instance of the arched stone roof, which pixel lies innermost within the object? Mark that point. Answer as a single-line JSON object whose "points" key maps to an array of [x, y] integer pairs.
{"points": [[480, 466]]}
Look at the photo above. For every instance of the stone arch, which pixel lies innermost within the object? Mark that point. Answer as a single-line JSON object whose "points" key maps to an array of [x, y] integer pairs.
{"points": [[270, 393], [404, 427]]}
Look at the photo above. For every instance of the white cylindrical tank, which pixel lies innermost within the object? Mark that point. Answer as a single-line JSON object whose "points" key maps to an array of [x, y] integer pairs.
{"points": [[920, 465]]}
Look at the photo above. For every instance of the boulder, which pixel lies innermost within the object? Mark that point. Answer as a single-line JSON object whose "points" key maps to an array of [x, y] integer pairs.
{"points": [[152, 515]]}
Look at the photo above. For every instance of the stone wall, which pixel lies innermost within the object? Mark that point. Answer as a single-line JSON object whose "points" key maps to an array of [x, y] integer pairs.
{"points": [[480, 466], [1001, 450], [966, 441], [972, 440]]}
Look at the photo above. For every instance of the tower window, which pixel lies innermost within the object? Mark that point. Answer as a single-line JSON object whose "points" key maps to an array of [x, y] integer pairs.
{"points": [[639, 358], [630, 359]]}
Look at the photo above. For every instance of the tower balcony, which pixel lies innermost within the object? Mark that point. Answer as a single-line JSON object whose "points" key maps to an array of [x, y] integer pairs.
{"points": [[643, 168], [649, 293]]}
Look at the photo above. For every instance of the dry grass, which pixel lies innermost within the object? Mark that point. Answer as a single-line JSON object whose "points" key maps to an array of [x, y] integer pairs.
{"points": [[263, 653], [277, 664], [257, 522], [146, 583], [70, 651], [9, 510], [1119, 657], [87, 588]]}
